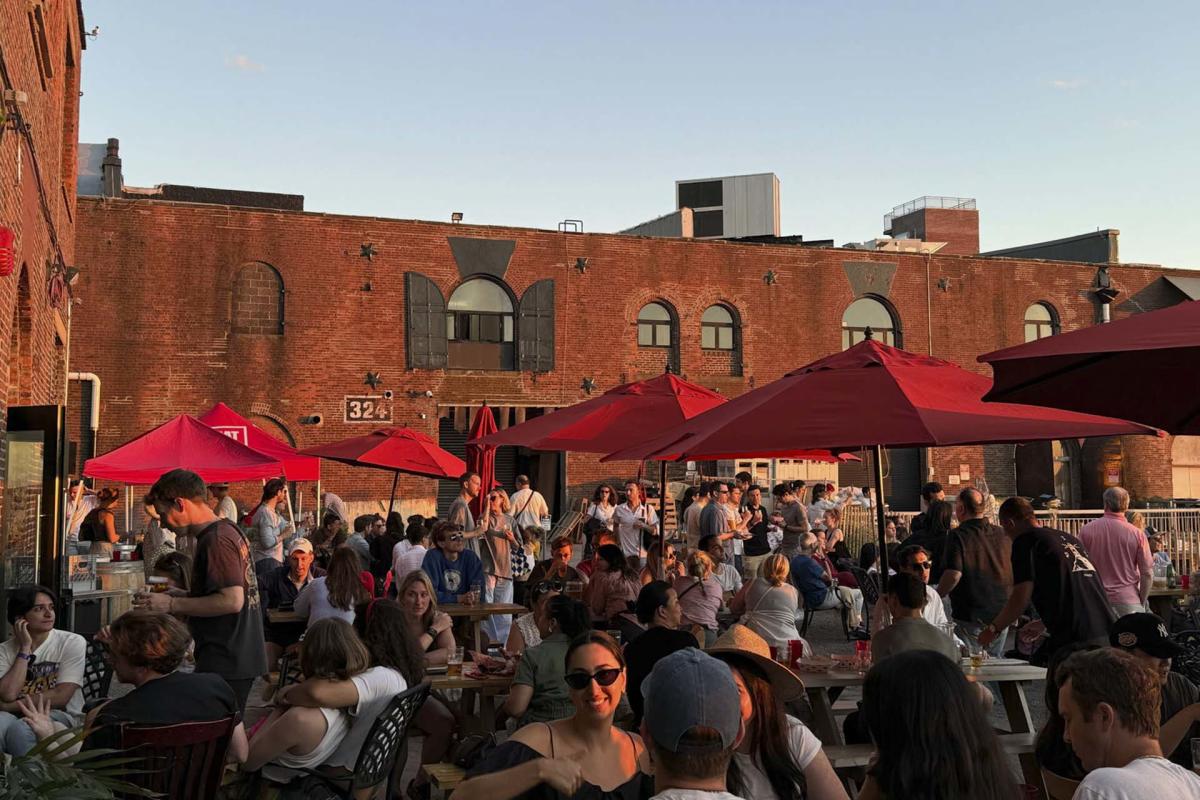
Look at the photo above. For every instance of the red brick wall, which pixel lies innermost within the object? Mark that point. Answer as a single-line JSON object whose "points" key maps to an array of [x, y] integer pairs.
{"points": [[258, 300], [958, 228], [156, 364]]}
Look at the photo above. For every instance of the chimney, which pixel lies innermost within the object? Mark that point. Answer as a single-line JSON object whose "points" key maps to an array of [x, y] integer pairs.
{"points": [[112, 183]]}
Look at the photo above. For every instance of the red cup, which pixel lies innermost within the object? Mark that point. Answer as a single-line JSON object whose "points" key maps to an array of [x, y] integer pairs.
{"points": [[795, 651], [1185, 581]]}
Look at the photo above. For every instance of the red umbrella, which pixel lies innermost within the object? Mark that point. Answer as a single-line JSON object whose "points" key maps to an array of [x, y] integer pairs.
{"points": [[1088, 370], [481, 458], [871, 395], [396, 449], [296, 467], [182, 443]]}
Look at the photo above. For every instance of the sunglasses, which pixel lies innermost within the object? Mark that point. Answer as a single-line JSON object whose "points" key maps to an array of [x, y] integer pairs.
{"points": [[541, 587], [581, 680], [454, 537], [923, 565]]}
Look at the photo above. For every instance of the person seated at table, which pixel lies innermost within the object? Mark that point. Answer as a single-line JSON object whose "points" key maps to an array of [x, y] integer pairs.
{"points": [[451, 568], [335, 594], [906, 598], [528, 629], [914, 560], [1109, 700], [1145, 637], [768, 604], [539, 691], [932, 737], [430, 629], [700, 595], [778, 757], [671, 566], [409, 554], [37, 659], [295, 738], [558, 566], [1053, 752], [582, 755], [658, 609], [278, 588], [816, 584], [602, 537], [612, 589], [726, 574], [1158, 551], [836, 549]]}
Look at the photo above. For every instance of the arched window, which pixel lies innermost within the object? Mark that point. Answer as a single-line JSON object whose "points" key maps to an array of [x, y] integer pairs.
{"points": [[1041, 320], [654, 326], [717, 329], [258, 300], [480, 326], [869, 312]]}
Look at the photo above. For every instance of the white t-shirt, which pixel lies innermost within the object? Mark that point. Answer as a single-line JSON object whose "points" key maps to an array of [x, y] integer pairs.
{"points": [[693, 794], [60, 659], [406, 557], [376, 688], [934, 611], [734, 546], [802, 743], [531, 505], [729, 578], [287, 765], [629, 536], [313, 603], [1138, 780], [602, 513]]}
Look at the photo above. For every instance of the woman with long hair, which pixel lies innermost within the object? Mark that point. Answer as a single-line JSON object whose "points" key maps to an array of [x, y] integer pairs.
{"points": [[539, 691], [778, 758], [767, 605], [429, 628], [699, 595], [580, 756], [671, 567], [99, 526], [296, 737], [604, 502], [932, 737], [335, 594], [528, 629], [939, 520], [495, 550], [613, 588]]}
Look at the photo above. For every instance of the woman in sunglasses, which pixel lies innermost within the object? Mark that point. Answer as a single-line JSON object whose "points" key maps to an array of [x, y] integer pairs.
{"points": [[670, 565], [539, 693], [604, 501], [581, 756], [528, 629]]}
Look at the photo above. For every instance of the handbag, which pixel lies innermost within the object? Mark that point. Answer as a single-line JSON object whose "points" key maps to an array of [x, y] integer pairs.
{"points": [[472, 749]]}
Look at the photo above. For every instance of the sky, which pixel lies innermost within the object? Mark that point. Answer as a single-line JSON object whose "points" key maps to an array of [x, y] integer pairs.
{"points": [[1060, 118]]}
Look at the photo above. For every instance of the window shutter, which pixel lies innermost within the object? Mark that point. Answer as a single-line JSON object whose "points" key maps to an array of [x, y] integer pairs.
{"points": [[425, 329], [535, 328]]}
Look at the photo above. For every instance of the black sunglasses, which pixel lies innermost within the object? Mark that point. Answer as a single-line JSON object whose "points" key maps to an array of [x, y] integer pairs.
{"points": [[541, 587], [923, 565], [454, 537], [604, 677]]}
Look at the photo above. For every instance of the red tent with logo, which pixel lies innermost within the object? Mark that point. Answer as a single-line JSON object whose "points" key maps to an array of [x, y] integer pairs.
{"points": [[481, 458], [296, 467], [1141, 367], [397, 449], [182, 443]]}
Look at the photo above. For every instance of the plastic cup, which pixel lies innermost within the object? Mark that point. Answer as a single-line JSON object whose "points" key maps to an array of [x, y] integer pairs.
{"points": [[795, 651], [454, 662]]}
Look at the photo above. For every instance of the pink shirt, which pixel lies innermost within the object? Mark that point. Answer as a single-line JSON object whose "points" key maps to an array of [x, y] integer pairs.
{"points": [[1121, 555]]}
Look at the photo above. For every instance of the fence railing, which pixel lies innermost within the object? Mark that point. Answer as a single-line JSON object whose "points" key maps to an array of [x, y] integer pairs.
{"points": [[1179, 528]]}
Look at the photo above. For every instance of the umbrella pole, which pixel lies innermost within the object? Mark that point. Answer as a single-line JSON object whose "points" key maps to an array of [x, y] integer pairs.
{"points": [[881, 518], [291, 515], [662, 519], [392, 499]]}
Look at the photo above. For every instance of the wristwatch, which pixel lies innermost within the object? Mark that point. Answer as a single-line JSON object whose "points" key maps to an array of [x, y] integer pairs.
{"points": [[433, 634]]}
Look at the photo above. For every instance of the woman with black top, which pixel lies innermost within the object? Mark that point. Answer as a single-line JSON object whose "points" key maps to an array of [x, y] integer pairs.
{"points": [[658, 609], [99, 526], [582, 757]]}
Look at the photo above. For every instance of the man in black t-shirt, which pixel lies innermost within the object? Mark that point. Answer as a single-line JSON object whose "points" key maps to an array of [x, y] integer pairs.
{"points": [[976, 569], [223, 608], [1051, 568], [757, 547], [929, 492]]}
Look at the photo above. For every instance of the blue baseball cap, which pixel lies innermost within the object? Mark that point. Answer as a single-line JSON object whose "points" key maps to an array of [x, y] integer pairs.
{"points": [[690, 689]]}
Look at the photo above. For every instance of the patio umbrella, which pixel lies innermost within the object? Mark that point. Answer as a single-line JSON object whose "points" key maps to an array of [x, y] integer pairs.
{"points": [[397, 449], [1087, 370], [481, 458], [296, 467], [875, 396]]}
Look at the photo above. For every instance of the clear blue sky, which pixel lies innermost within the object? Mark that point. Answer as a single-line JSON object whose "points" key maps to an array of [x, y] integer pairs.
{"points": [[1059, 117]]}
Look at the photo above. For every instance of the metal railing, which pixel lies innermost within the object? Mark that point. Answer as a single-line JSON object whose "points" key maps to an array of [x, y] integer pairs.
{"points": [[928, 201]]}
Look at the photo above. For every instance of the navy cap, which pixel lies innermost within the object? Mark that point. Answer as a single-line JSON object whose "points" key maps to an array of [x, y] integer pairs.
{"points": [[690, 689]]}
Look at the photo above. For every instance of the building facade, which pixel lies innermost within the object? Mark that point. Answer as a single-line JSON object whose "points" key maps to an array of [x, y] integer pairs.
{"points": [[320, 326]]}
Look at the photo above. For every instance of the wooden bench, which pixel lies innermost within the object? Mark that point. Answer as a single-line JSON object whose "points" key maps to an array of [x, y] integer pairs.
{"points": [[848, 756], [444, 777]]}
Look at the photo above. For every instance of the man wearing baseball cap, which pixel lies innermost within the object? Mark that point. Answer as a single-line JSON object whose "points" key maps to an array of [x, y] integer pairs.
{"points": [[692, 725], [279, 587], [1145, 637]]}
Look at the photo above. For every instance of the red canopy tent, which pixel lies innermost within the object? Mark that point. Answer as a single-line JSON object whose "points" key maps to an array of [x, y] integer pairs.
{"points": [[481, 458], [871, 395], [182, 443], [296, 467], [397, 449], [1089, 370]]}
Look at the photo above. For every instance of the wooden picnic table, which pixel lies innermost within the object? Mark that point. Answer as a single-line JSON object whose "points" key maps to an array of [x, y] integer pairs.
{"points": [[477, 613], [1163, 599], [487, 688], [1011, 675], [281, 616]]}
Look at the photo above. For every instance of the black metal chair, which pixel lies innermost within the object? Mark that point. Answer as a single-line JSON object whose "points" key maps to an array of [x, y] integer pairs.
{"points": [[97, 674], [868, 584], [809, 612], [377, 759], [289, 668]]}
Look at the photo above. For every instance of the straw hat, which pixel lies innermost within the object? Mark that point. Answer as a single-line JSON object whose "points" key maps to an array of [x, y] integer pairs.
{"points": [[741, 641]]}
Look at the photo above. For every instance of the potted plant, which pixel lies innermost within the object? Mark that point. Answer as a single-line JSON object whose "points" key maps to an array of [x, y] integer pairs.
{"points": [[47, 773]]}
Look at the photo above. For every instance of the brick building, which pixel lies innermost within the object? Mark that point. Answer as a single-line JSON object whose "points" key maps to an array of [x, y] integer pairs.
{"points": [[40, 52], [284, 314]]}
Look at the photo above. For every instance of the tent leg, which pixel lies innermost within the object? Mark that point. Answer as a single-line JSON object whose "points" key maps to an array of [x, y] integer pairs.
{"points": [[881, 518], [392, 499], [662, 518], [291, 515], [128, 509]]}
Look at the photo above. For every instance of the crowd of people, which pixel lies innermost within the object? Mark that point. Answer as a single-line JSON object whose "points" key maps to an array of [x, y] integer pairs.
{"points": [[648, 668]]}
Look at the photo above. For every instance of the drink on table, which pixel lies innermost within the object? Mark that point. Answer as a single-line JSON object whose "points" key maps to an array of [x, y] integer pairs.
{"points": [[575, 590], [454, 662]]}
